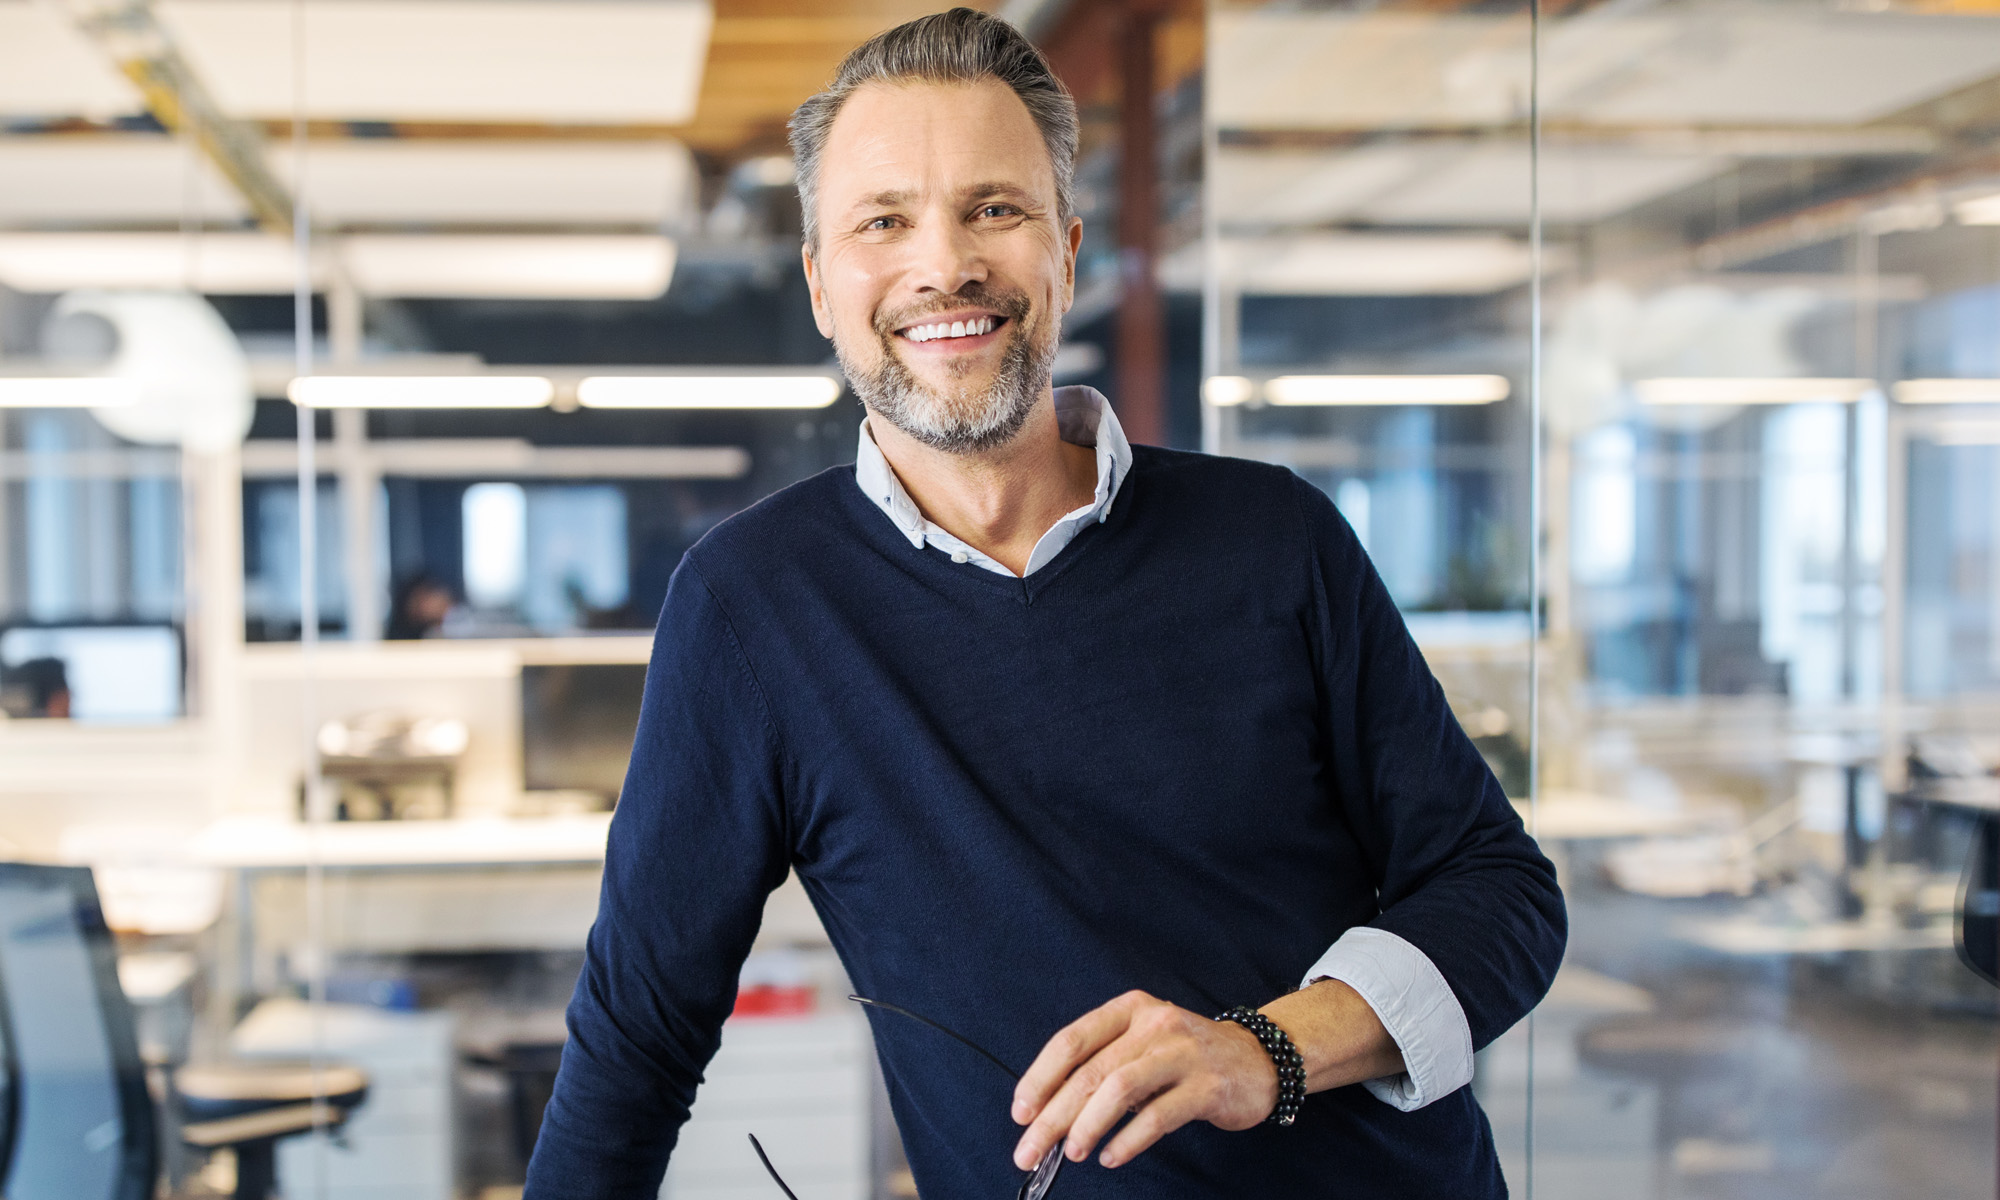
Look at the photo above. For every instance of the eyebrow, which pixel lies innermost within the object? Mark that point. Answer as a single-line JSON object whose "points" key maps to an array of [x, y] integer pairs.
{"points": [[898, 197]]}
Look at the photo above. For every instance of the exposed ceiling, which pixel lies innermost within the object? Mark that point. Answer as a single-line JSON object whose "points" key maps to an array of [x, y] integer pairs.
{"points": [[469, 117]]}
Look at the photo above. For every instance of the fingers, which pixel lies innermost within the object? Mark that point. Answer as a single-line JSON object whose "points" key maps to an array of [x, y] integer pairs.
{"points": [[1166, 1112], [1054, 1122], [1067, 1050], [1126, 1090]]}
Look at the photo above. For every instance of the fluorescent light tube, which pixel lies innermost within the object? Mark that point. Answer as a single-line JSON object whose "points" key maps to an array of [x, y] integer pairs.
{"points": [[565, 266], [1966, 433], [71, 391], [708, 391], [1979, 210], [1226, 391], [421, 391], [1948, 391], [1386, 389], [1750, 391]]}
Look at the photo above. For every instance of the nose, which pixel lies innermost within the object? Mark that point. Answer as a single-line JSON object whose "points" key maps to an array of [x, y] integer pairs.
{"points": [[945, 256]]}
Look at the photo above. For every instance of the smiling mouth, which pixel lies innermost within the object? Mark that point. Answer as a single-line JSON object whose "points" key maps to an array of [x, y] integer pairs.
{"points": [[946, 330]]}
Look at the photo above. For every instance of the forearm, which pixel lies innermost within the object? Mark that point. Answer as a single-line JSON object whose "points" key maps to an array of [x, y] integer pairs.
{"points": [[1340, 1037]]}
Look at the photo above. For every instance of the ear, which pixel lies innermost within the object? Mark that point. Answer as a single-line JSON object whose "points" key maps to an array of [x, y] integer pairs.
{"points": [[1072, 242], [822, 316]]}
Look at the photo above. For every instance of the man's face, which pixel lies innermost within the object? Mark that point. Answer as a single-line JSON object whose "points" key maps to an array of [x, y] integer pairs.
{"points": [[943, 269]]}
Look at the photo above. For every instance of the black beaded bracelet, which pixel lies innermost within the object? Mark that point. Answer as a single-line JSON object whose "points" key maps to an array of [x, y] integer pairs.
{"points": [[1284, 1056]]}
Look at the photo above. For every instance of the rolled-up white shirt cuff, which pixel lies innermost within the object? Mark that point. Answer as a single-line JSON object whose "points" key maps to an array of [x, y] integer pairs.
{"points": [[1415, 1005]]}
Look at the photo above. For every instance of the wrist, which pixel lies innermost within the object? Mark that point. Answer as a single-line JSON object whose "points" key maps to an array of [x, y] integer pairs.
{"points": [[1286, 1064]]}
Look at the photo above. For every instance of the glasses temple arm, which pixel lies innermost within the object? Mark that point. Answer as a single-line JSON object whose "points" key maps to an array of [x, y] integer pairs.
{"points": [[766, 1160], [982, 1051]]}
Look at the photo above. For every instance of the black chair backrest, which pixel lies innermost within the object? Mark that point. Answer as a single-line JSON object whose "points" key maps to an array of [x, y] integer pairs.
{"points": [[1979, 903], [76, 1121]]}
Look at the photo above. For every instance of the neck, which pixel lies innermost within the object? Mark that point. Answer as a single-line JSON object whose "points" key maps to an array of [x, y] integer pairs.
{"points": [[999, 501]]}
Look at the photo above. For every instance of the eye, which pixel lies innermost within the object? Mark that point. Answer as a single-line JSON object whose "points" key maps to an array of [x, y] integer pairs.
{"points": [[877, 224], [996, 211]]}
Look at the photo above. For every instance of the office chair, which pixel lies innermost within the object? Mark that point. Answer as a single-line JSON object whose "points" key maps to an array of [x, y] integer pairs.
{"points": [[76, 1116]]}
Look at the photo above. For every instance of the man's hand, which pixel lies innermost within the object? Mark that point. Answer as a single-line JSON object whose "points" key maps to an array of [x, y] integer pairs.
{"points": [[1169, 1066], [1145, 1056]]}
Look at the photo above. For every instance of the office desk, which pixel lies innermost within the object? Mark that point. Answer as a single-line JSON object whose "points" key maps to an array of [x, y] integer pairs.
{"points": [[261, 844], [405, 886]]}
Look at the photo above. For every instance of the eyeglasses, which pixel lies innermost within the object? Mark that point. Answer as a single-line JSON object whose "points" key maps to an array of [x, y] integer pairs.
{"points": [[1038, 1182]]}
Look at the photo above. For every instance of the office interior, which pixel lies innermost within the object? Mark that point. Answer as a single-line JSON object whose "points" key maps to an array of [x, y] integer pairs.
{"points": [[365, 370]]}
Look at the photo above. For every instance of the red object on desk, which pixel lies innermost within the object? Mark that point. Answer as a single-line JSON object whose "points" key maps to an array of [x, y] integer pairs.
{"points": [[772, 1000]]}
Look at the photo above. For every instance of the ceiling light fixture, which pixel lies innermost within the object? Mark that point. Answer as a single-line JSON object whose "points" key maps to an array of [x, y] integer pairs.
{"points": [[421, 391], [708, 391], [1291, 390], [1978, 210], [1948, 391], [1696, 391], [1227, 391], [66, 391]]}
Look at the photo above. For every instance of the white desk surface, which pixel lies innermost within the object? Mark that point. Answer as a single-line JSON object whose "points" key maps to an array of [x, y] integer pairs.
{"points": [[252, 843], [1581, 816]]}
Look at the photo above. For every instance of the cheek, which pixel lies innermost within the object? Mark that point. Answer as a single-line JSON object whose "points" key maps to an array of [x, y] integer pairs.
{"points": [[856, 292]]}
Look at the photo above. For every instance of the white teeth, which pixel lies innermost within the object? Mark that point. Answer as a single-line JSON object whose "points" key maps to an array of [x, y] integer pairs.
{"points": [[928, 333]]}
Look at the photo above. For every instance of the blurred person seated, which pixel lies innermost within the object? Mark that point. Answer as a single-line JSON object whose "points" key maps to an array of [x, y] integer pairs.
{"points": [[418, 608], [38, 687]]}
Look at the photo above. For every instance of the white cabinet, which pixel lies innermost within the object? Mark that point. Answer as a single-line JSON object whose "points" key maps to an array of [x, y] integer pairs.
{"points": [[399, 1142], [801, 1084]]}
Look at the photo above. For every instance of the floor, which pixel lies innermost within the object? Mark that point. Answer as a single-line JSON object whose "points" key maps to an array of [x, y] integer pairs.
{"points": [[1663, 1071]]}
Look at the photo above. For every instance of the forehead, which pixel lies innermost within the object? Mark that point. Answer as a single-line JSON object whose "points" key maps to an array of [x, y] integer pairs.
{"points": [[932, 136]]}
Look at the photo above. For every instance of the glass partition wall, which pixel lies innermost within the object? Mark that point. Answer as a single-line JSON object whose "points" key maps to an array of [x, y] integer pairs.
{"points": [[1369, 317], [1753, 723]]}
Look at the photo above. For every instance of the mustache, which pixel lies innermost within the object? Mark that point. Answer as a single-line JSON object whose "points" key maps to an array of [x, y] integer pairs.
{"points": [[1008, 303]]}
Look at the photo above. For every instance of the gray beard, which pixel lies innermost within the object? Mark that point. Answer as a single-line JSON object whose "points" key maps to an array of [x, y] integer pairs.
{"points": [[962, 420]]}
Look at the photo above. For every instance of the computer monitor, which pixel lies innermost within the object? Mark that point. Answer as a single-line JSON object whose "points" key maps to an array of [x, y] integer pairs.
{"points": [[577, 722], [116, 674]]}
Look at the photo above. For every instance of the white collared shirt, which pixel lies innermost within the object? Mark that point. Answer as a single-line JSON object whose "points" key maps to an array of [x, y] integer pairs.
{"points": [[1083, 417], [1397, 980]]}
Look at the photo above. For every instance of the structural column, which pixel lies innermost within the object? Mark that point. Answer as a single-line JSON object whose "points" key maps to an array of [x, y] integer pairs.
{"points": [[1141, 377]]}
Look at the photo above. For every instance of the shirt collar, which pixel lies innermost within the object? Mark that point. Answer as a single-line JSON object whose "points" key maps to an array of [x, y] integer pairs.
{"points": [[1083, 418]]}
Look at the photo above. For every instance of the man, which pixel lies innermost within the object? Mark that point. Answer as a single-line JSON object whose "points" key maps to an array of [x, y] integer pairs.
{"points": [[1074, 744]]}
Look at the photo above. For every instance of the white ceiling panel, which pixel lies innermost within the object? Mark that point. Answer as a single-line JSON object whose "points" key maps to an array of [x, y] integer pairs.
{"points": [[1807, 66], [558, 267], [1306, 187], [494, 182], [245, 263], [1489, 185], [1698, 65], [1442, 183], [1375, 264], [515, 267], [1281, 70], [142, 179], [49, 69], [612, 61]]}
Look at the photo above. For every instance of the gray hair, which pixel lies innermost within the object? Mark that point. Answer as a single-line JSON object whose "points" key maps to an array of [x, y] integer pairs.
{"points": [[960, 46]]}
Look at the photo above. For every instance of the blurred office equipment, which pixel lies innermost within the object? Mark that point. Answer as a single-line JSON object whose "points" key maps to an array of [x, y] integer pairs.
{"points": [[387, 765]]}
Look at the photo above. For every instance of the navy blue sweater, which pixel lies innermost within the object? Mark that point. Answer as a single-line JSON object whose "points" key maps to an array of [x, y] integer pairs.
{"points": [[1185, 756]]}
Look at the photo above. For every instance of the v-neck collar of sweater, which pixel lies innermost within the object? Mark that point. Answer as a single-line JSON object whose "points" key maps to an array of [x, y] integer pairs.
{"points": [[1083, 418]]}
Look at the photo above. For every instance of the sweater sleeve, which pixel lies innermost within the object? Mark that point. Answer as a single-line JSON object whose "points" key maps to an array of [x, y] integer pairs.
{"points": [[697, 844], [1456, 874]]}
